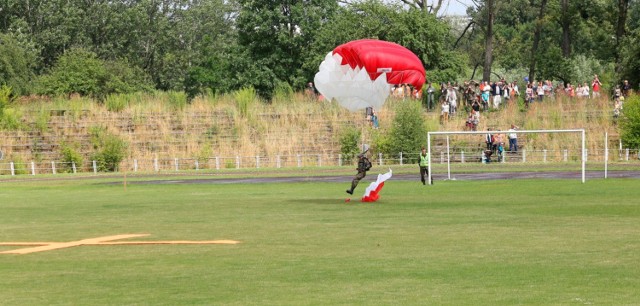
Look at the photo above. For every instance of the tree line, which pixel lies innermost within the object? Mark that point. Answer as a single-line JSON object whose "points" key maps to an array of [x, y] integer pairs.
{"points": [[100, 47]]}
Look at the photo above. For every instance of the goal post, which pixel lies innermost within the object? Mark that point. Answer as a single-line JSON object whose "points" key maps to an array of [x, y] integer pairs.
{"points": [[429, 134]]}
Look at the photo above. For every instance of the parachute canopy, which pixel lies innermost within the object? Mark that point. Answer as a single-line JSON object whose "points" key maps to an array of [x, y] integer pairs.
{"points": [[360, 73]]}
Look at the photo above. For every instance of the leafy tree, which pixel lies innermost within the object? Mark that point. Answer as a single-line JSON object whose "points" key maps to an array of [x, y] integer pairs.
{"points": [[77, 71], [275, 35], [15, 65], [80, 71]]}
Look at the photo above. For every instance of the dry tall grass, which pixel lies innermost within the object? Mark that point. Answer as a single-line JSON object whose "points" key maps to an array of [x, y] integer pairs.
{"points": [[156, 127]]}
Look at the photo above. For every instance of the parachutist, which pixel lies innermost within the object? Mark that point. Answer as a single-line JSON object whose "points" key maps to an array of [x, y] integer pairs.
{"points": [[363, 166]]}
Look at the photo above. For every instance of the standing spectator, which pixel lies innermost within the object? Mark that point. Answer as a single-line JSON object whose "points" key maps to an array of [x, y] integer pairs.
{"points": [[444, 113], [476, 106], [489, 139], [595, 86], [452, 99], [617, 92], [513, 139], [374, 119], [528, 96], [540, 91], [485, 95], [424, 166], [469, 94], [368, 113], [585, 90], [497, 94], [430, 96], [626, 89]]}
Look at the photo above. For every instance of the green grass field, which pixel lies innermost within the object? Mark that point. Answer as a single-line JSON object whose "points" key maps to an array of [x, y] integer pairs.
{"points": [[536, 242]]}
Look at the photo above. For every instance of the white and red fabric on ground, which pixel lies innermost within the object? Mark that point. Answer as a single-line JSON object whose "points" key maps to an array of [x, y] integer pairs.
{"points": [[371, 194]]}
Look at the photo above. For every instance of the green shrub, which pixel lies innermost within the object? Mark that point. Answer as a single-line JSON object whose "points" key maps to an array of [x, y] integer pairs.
{"points": [[349, 139], [70, 155], [42, 121], [283, 93], [408, 132], [5, 98], [177, 99], [11, 119], [109, 150], [245, 97], [116, 102], [630, 122]]}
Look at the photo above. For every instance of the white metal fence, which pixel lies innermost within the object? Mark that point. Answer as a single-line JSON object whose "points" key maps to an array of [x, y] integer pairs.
{"points": [[439, 156]]}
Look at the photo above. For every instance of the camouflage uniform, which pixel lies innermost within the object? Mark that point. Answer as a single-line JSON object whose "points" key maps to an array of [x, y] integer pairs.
{"points": [[363, 166]]}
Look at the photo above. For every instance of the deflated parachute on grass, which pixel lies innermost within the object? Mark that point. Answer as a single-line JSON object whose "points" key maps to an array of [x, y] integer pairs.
{"points": [[360, 73], [371, 194]]}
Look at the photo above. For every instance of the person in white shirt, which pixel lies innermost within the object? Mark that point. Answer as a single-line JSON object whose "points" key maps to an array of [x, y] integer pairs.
{"points": [[444, 114], [513, 139]]}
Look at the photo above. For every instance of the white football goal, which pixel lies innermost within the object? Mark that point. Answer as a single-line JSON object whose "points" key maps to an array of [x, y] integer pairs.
{"points": [[446, 153]]}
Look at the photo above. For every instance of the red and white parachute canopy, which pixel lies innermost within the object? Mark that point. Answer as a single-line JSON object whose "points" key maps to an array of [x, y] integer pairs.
{"points": [[371, 194], [360, 73]]}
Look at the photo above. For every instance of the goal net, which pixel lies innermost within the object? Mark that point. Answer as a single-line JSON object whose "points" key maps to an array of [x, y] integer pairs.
{"points": [[473, 152]]}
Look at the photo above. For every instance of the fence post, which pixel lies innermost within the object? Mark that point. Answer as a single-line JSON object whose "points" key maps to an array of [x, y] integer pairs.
{"points": [[13, 169], [586, 155], [319, 160], [237, 162], [566, 155], [95, 167], [73, 166], [33, 168], [257, 161], [135, 165], [442, 157], [217, 163], [53, 167], [380, 159], [155, 165], [524, 155], [299, 161], [400, 158], [197, 165], [278, 165], [177, 164], [340, 160], [545, 155], [627, 154], [462, 157]]}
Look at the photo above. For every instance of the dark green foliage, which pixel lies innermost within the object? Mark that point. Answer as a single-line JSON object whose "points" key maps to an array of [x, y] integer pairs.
{"points": [[81, 71], [109, 150], [408, 131], [15, 65], [349, 139], [70, 156], [630, 123]]}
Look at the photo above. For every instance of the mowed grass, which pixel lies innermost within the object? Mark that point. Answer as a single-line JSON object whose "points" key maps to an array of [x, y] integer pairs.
{"points": [[537, 242]]}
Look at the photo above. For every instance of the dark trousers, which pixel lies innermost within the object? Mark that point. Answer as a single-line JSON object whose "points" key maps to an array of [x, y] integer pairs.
{"points": [[513, 144], [424, 173]]}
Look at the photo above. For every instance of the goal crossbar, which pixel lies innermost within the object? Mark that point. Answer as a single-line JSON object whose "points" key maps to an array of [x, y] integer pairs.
{"points": [[581, 131]]}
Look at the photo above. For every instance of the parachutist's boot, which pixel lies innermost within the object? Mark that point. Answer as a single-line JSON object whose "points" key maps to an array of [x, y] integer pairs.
{"points": [[349, 191]]}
